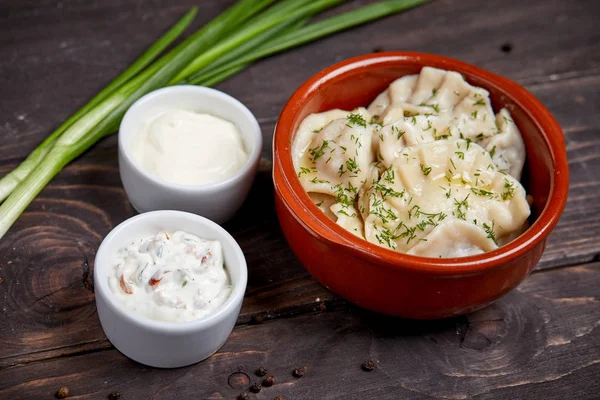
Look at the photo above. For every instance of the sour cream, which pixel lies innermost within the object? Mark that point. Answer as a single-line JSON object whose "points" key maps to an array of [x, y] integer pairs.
{"points": [[189, 148], [170, 277]]}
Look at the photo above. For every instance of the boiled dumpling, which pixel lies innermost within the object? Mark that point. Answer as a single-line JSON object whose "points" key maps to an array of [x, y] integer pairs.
{"points": [[454, 238], [338, 157], [438, 105], [506, 147], [442, 181], [428, 169]]}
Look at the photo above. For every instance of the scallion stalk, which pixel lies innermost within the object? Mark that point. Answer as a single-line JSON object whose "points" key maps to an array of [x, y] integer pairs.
{"points": [[311, 33], [13, 178], [104, 118], [245, 32], [252, 30]]}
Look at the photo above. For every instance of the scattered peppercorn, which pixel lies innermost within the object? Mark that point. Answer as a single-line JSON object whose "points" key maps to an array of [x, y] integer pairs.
{"points": [[242, 396], [368, 365], [114, 396], [299, 372], [62, 393], [255, 388], [506, 47], [261, 371], [269, 381], [279, 398]]}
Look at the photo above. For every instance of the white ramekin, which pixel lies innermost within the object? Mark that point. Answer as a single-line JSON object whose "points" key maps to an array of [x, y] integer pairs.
{"points": [[217, 201], [167, 344]]}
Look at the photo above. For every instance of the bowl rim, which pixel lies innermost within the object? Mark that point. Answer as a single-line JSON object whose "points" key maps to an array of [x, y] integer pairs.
{"points": [[209, 321], [235, 106], [295, 198]]}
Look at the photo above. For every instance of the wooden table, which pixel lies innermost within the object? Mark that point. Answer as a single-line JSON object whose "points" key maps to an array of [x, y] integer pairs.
{"points": [[542, 341]]}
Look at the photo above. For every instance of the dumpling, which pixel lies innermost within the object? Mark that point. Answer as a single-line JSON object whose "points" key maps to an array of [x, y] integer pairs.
{"points": [[308, 128], [439, 182], [347, 217], [428, 169], [441, 105], [506, 147], [337, 159], [454, 238]]}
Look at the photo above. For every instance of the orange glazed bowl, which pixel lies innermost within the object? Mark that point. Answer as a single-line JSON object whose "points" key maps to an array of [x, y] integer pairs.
{"points": [[394, 283]]}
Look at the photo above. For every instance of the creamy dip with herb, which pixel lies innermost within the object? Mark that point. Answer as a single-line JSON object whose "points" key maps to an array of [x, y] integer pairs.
{"points": [[427, 169], [170, 277]]}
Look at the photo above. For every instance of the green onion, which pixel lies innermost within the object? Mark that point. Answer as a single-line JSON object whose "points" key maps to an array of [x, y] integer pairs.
{"points": [[316, 31], [245, 32], [12, 179], [250, 32], [104, 118]]}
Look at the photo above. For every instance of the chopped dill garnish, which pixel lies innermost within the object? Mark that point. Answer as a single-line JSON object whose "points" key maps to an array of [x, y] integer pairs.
{"points": [[481, 192], [460, 213], [386, 191], [303, 170], [356, 119], [426, 170], [399, 133], [490, 231], [389, 175], [318, 151], [493, 151], [509, 190], [352, 166], [479, 102]]}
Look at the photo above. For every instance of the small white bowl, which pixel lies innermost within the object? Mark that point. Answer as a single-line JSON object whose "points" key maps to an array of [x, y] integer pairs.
{"points": [[167, 344], [217, 201]]}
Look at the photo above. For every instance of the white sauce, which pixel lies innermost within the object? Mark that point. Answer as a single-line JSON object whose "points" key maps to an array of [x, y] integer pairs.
{"points": [[189, 148], [170, 277]]}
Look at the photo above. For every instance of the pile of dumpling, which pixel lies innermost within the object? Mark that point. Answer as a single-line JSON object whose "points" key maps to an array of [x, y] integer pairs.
{"points": [[427, 169]]}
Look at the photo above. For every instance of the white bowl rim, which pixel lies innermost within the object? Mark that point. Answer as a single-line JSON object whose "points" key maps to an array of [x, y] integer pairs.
{"points": [[237, 294], [236, 106]]}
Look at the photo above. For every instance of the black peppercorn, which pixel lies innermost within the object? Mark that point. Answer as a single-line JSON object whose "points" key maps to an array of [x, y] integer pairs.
{"points": [[261, 371], [242, 396], [62, 393], [506, 47], [298, 372], [368, 365], [114, 396], [255, 388], [269, 381]]}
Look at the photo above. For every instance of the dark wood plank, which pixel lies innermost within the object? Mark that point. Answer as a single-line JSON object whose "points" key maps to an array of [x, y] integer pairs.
{"points": [[535, 343], [56, 55], [44, 301]]}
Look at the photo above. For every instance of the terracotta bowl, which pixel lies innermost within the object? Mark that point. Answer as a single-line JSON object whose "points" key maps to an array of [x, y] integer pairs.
{"points": [[397, 284]]}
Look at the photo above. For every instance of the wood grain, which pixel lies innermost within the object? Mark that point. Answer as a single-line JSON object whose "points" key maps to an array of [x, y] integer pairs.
{"points": [[54, 55], [537, 342], [86, 201]]}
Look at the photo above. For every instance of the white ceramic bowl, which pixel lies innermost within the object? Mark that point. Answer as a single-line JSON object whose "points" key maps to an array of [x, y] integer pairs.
{"points": [[167, 344], [218, 201]]}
